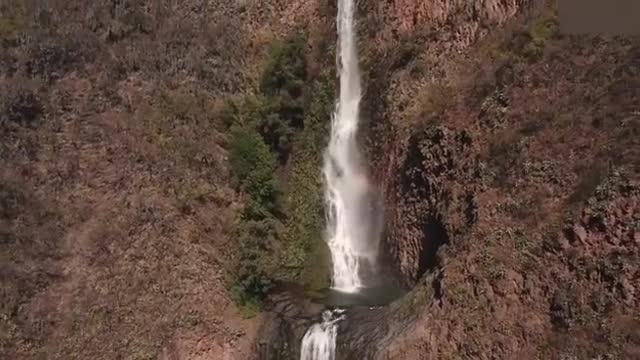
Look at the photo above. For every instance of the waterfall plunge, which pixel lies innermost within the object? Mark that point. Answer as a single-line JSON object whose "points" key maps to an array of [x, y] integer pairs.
{"points": [[353, 223]]}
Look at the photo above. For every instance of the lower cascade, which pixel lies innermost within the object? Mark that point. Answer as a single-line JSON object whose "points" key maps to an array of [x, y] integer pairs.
{"points": [[319, 341]]}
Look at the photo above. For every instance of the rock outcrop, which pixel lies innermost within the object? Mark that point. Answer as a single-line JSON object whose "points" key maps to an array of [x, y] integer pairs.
{"points": [[481, 158], [431, 199]]}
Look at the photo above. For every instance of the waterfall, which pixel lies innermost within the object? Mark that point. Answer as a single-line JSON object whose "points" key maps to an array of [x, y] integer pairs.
{"points": [[352, 234], [352, 227], [319, 341]]}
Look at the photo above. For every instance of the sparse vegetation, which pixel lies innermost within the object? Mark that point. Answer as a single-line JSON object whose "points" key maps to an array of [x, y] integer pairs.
{"points": [[19, 104], [433, 101], [503, 157], [529, 45], [589, 179]]}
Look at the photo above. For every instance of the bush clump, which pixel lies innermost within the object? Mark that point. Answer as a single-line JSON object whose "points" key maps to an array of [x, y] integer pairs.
{"points": [[504, 154], [279, 240], [50, 59], [529, 44], [12, 22], [286, 69], [253, 270], [19, 105], [253, 168], [264, 115], [280, 106]]}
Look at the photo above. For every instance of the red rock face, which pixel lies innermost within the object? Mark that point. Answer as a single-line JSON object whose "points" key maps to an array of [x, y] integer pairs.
{"points": [[433, 31], [432, 197], [513, 153], [461, 22]]}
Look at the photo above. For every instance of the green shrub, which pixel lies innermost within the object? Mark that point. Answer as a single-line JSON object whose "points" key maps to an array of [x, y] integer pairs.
{"points": [[529, 44], [12, 21], [281, 108], [253, 168], [8, 28], [266, 116], [539, 33], [589, 177], [306, 258], [286, 69], [279, 243], [11, 199], [252, 279], [405, 55], [277, 112], [504, 156]]}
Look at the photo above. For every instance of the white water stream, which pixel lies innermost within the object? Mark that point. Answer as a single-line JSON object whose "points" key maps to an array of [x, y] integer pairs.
{"points": [[352, 228], [319, 342]]}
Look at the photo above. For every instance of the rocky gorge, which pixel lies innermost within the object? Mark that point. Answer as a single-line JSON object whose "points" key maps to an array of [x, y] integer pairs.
{"points": [[506, 153], [475, 118]]}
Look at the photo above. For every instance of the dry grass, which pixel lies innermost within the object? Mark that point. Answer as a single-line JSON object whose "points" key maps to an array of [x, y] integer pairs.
{"points": [[115, 208]]}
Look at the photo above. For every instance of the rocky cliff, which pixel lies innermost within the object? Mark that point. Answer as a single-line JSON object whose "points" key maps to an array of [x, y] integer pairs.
{"points": [[496, 141], [422, 52]]}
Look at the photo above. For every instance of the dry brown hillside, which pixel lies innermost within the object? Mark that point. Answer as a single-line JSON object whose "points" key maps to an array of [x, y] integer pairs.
{"points": [[115, 201]]}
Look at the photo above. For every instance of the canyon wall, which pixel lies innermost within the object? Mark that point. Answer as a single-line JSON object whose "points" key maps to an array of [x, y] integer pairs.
{"points": [[496, 143], [507, 155], [418, 52]]}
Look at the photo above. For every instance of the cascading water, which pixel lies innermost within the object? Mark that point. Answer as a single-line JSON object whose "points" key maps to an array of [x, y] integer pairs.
{"points": [[319, 341], [352, 225]]}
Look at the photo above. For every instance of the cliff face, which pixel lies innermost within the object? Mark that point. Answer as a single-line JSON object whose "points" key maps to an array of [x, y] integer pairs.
{"points": [[419, 51], [508, 157]]}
